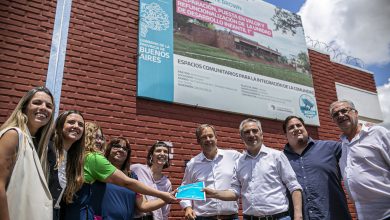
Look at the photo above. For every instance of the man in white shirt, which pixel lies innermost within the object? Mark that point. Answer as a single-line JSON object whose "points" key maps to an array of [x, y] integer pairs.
{"points": [[214, 167], [364, 162], [261, 177]]}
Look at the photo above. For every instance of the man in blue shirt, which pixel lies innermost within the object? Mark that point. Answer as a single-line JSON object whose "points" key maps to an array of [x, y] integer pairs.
{"points": [[315, 163]]}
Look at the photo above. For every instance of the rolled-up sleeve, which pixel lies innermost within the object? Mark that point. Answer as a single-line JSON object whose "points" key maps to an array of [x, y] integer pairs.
{"points": [[385, 148], [235, 185], [287, 174]]}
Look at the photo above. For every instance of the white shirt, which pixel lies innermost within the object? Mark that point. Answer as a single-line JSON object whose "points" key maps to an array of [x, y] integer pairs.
{"points": [[62, 171], [365, 166], [216, 174], [262, 182], [145, 175]]}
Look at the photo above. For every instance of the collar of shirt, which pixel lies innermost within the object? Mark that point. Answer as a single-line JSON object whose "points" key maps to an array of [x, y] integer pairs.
{"points": [[161, 180], [310, 142], [364, 130], [263, 150], [220, 153]]}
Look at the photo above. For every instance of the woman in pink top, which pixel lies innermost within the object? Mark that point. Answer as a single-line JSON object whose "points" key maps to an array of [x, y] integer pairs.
{"points": [[151, 175]]}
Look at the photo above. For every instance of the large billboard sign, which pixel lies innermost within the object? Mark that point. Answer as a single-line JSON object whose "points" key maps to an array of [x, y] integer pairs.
{"points": [[243, 56]]}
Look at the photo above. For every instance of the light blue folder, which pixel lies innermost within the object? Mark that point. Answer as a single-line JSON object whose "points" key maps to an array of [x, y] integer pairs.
{"points": [[191, 191]]}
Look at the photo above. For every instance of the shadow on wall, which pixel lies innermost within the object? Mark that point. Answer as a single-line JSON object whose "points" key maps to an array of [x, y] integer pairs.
{"points": [[195, 115], [185, 113]]}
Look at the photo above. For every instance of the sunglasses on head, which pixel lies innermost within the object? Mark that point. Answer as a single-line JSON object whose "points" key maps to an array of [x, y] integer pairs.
{"points": [[165, 143]]}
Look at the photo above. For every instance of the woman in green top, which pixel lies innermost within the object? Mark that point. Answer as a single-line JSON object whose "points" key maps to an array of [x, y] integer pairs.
{"points": [[97, 167]]}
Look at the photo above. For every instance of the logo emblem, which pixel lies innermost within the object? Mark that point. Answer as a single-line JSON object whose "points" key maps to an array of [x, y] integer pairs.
{"points": [[307, 106], [152, 17]]}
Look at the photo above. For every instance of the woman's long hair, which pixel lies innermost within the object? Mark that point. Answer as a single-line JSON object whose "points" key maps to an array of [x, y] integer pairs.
{"points": [[19, 119], [90, 137], [75, 156], [126, 164]]}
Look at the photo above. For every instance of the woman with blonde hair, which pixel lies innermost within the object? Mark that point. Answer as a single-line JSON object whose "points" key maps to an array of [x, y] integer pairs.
{"points": [[98, 168], [24, 193], [94, 139], [65, 156]]}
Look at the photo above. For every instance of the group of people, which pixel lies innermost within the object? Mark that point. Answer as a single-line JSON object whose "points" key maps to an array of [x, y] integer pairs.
{"points": [[304, 181], [63, 169]]}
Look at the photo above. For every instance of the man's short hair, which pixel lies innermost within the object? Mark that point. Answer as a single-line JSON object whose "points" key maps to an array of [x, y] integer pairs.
{"points": [[348, 102], [288, 119], [247, 121], [200, 128]]}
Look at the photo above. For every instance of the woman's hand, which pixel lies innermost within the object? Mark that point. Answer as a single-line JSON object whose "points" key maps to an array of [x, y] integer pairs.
{"points": [[168, 197]]}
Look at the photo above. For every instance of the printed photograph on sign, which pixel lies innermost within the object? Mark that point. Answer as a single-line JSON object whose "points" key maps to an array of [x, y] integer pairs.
{"points": [[221, 35], [242, 56]]}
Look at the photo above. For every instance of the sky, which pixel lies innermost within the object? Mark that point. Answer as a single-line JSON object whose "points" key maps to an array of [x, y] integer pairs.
{"points": [[359, 28]]}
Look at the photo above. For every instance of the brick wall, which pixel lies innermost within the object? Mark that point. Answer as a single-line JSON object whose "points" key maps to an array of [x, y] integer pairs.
{"points": [[100, 80], [25, 38]]}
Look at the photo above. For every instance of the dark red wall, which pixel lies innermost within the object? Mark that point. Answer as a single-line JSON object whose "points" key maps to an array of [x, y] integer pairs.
{"points": [[100, 80]]}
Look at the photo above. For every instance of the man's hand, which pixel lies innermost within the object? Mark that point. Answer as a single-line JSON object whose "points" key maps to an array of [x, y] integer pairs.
{"points": [[210, 193], [298, 217], [224, 195], [190, 214]]}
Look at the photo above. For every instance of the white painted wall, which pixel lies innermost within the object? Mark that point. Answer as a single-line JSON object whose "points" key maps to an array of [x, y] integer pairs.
{"points": [[366, 102]]}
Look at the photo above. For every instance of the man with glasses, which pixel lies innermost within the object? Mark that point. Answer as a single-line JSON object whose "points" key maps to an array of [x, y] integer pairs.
{"points": [[315, 163], [365, 162], [261, 176], [213, 166]]}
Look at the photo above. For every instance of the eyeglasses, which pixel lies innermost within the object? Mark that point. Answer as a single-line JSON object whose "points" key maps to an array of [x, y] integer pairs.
{"points": [[100, 137], [118, 146], [343, 111]]}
